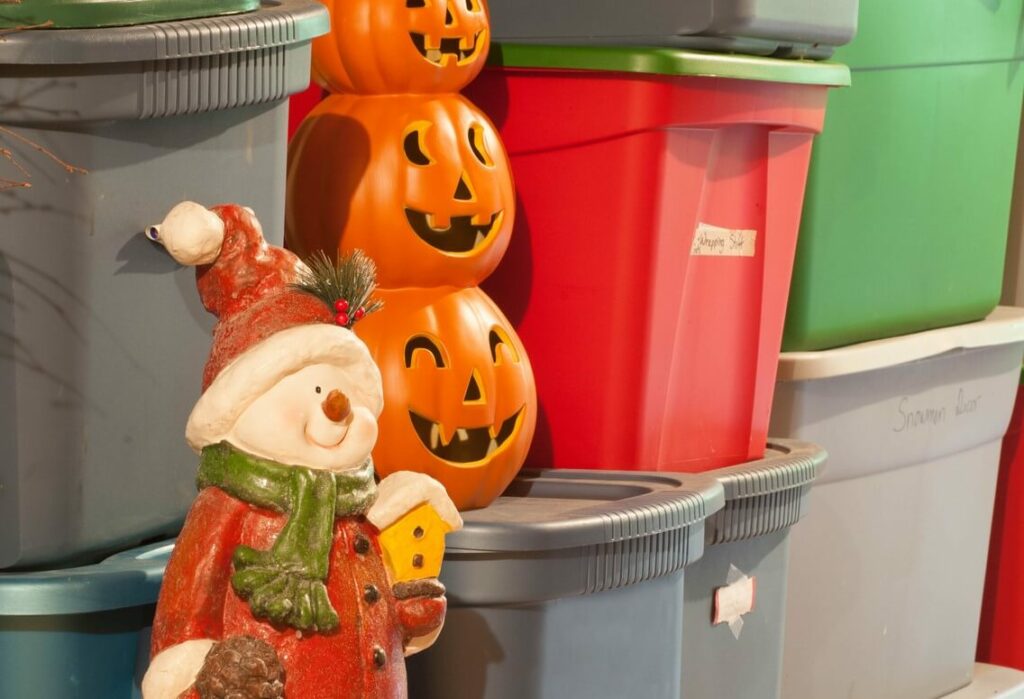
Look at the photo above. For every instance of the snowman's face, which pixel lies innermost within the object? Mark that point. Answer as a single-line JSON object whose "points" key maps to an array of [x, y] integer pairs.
{"points": [[290, 424]]}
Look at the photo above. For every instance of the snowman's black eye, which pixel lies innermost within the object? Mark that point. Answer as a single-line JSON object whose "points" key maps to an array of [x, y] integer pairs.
{"points": [[318, 389]]}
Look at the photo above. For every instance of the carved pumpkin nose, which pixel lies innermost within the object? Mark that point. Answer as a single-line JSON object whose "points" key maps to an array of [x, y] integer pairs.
{"points": [[463, 191], [336, 406], [449, 18], [473, 392]]}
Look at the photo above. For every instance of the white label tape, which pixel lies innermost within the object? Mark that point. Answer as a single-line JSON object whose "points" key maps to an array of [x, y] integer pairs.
{"points": [[735, 600], [713, 241]]}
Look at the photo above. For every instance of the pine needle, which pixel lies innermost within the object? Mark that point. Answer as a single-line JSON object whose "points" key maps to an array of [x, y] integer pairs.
{"points": [[353, 278]]}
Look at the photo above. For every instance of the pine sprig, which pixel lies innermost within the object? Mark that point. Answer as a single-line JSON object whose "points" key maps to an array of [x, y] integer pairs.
{"points": [[352, 279]]}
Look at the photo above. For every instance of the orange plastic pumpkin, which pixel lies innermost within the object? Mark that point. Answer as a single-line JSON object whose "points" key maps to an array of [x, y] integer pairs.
{"points": [[378, 47], [459, 399], [422, 184]]}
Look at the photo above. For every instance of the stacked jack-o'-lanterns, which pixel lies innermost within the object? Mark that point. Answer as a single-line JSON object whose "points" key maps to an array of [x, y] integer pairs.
{"points": [[397, 163]]}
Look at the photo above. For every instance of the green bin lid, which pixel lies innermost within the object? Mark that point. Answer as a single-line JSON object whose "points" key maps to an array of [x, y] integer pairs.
{"points": [[88, 14], [667, 61]]}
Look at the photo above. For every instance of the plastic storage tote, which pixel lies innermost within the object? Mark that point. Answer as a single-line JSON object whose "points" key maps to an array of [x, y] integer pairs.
{"points": [[887, 570], [790, 27], [1001, 637], [904, 227], [569, 585], [659, 200], [735, 597], [80, 633], [102, 337]]}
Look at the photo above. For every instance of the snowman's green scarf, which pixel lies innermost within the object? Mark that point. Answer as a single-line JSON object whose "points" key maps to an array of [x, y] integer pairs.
{"points": [[285, 584]]}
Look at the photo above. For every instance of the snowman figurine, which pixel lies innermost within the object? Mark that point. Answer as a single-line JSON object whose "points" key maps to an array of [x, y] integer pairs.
{"points": [[295, 573]]}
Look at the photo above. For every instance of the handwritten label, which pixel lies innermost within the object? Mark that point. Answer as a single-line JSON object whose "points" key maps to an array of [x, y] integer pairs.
{"points": [[713, 241], [911, 415]]}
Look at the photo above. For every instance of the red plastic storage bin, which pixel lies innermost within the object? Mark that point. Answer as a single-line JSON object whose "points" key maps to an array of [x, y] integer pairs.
{"points": [[660, 194], [1001, 636], [301, 104]]}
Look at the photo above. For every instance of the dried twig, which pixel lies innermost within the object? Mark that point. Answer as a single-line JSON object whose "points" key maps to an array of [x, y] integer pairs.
{"points": [[42, 149]]}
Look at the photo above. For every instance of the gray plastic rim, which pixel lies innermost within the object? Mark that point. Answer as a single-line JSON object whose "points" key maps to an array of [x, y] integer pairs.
{"points": [[129, 579], [276, 23], [652, 514], [768, 495]]}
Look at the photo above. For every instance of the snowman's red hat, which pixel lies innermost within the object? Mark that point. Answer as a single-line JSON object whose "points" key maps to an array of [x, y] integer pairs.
{"points": [[267, 328]]}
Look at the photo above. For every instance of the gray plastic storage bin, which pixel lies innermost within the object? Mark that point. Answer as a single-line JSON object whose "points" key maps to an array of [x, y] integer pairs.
{"points": [[805, 28], [750, 537], [569, 586], [80, 633], [102, 337], [887, 571]]}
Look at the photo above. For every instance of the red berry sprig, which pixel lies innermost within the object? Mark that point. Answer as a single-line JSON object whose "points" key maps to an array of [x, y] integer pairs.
{"points": [[342, 316]]}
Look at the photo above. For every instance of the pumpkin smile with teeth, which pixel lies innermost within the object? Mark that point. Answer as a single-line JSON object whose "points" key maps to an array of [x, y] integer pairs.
{"points": [[449, 47], [461, 235], [467, 444]]}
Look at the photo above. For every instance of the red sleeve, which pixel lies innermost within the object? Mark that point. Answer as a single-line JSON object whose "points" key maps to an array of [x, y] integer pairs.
{"points": [[420, 616], [196, 581]]}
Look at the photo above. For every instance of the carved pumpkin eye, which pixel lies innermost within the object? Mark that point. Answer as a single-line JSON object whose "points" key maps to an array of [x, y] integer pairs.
{"points": [[415, 144], [499, 338], [415, 3], [473, 5], [477, 145], [423, 344]]}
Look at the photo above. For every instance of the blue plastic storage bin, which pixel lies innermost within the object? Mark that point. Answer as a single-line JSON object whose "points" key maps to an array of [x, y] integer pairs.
{"points": [[80, 633]]}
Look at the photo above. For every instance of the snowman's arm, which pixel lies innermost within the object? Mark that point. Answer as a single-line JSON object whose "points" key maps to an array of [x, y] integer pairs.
{"points": [[401, 497], [189, 613]]}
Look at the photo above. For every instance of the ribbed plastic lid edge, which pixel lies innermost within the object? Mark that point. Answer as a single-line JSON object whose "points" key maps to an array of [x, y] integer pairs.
{"points": [[284, 22], [129, 579], [694, 499], [666, 61], [1005, 325]]}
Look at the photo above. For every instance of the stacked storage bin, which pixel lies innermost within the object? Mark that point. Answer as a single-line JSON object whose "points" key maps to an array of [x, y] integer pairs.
{"points": [[898, 265], [111, 122], [659, 199], [398, 164], [1001, 637]]}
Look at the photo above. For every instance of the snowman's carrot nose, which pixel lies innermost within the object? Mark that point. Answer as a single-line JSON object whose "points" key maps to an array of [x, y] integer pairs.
{"points": [[336, 406]]}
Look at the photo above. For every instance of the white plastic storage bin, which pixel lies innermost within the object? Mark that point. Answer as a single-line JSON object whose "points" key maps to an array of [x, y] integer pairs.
{"points": [[886, 573]]}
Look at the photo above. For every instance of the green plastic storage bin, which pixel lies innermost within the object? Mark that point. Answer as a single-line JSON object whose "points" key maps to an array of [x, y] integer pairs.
{"points": [[905, 216]]}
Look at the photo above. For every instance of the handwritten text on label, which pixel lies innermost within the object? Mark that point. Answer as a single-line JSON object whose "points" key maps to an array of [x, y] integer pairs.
{"points": [[714, 241]]}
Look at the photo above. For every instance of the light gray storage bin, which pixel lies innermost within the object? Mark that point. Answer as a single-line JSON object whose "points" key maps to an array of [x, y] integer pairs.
{"points": [[750, 535], [887, 571], [569, 586], [804, 28], [102, 337]]}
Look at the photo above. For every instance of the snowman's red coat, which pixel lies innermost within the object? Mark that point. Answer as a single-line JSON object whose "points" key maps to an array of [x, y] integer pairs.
{"points": [[198, 602]]}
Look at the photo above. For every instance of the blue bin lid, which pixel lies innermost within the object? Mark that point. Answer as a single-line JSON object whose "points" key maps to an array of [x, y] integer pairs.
{"points": [[129, 579]]}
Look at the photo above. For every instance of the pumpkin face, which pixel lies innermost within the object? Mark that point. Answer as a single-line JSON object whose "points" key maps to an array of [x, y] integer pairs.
{"points": [[378, 47], [459, 398], [421, 184]]}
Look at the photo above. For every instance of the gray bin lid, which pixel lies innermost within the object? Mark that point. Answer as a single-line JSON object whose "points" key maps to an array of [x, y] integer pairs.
{"points": [[128, 579], [276, 23], [562, 533], [64, 14], [767, 495], [558, 509]]}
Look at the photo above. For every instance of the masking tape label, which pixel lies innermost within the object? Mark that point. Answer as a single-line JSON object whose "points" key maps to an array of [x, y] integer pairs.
{"points": [[735, 600], [714, 241]]}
